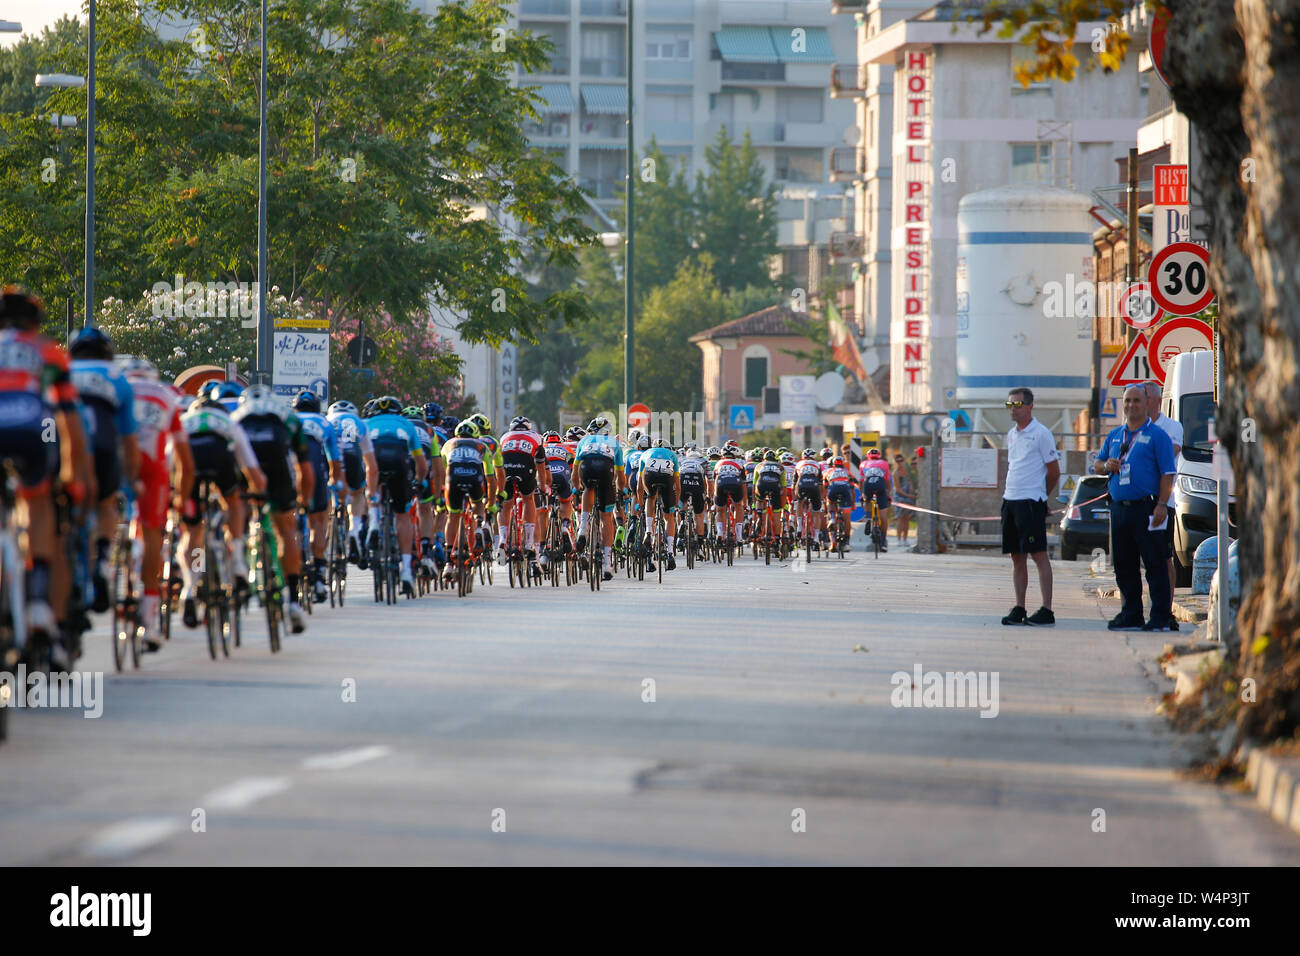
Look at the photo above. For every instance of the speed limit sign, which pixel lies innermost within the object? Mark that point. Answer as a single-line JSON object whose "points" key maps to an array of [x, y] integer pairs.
{"points": [[1180, 278], [1137, 306]]}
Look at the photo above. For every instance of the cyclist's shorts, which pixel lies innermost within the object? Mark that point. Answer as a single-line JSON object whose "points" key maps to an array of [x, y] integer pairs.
{"points": [[281, 489], [769, 489], [811, 492], [157, 491], [108, 472], [875, 487], [394, 472], [215, 462], [515, 474], [693, 491], [560, 486], [598, 473], [461, 488], [662, 485], [23, 424], [354, 468], [728, 492], [840, 494]]}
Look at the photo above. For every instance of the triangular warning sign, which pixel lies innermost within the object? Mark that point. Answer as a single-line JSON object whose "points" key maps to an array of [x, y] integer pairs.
{"points": [[741, 419], [1069, 484], [1133, 367]]}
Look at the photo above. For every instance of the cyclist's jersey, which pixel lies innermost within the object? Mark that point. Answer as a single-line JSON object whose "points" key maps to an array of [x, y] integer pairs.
{"points": [[729, 470], [108, 403], [444, 436], [214, 427], [522, 446], [660, 461], [351, 432], [392, 429], [749, 471], [320, 434], [769, 471], [157, 418], [695, 467], [790, 476], [425, 432], [601, 446], [273, 426], [836, 475], [33, 364], [808, 471], [632, 464], [467, 458], [492, 461], [876, 464], [708, 468], [559, 458]]}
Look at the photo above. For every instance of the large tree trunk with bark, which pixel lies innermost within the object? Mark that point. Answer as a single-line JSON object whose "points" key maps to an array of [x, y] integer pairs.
{"points": [[1235, 73]]}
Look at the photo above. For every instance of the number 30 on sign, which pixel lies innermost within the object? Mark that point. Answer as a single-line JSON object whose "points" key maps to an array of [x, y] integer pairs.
{"points": [[1179, 278]]}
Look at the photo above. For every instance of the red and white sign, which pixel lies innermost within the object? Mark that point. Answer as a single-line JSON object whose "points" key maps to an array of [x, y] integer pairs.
{"points": [[1180, 278], [1171, 215], [638, 415], [1173, 339], [1132, 367], [1156, 43], [1137, 307], [913, 173], [1169, 184]]}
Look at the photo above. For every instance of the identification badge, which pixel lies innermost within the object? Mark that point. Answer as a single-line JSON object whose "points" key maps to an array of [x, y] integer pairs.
{"points": [[1123, 473]]}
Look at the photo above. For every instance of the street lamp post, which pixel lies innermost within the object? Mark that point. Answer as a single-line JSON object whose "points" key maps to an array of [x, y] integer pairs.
{"points": [[69, 81], [629, 357], [262, 375]]}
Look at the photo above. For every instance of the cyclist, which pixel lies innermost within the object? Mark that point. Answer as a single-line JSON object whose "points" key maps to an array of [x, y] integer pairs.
{"points": [[360, 472], [875, 484], [839, 492], [493, 466], [109, 402], [559, 461], [429, 486], [808, 481], [221, 451], [40, 402], [769, 485], [729, 489], [433, 415], [327, 477], [600, 478], [694, 478], [276, 432], [396, 442], [468, 459], [660, 471], [524, 465]]}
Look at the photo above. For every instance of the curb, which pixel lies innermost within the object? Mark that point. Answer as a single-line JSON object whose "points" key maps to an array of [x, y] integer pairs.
{"points": [[1188, 608], [1276, 782]]}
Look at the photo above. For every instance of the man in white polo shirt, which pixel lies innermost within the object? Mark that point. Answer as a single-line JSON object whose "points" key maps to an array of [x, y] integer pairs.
{"points": [[1033, 466], [1174, 429]]}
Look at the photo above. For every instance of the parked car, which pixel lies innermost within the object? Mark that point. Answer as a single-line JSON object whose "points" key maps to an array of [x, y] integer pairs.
{"points": [[1085, 527], [1189, 399]]}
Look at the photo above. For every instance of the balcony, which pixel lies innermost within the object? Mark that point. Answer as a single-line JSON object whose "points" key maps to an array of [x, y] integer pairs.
{"points": [[605, 66], [604, 8], [769, 72], [846, 81], [669, 10], [545, 8], [847, 245], [847, 163]]}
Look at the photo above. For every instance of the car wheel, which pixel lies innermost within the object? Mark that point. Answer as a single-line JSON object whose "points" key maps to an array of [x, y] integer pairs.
{"points": [[1068, 551]]}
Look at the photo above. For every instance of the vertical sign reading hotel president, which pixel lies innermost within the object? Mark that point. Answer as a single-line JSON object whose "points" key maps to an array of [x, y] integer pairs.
{"points": [[910, 329]]}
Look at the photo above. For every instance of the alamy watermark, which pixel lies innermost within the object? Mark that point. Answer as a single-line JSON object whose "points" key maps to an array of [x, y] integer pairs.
{"points": [[82, 690], [958, 689], [194, 299], [675, 428]]}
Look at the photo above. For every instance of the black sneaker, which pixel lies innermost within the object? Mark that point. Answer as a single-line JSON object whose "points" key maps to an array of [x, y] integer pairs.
{"points": [[190, 614], [1157, 624], [99, 585], [1121, 623], [1017, 616], [354, 554], [1043, 617], [672, 563], [607, 576]]}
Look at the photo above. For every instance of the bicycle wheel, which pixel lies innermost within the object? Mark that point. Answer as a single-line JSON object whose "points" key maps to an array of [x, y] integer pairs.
{"points": [[121, 598], [208, 595], [661, 552]]}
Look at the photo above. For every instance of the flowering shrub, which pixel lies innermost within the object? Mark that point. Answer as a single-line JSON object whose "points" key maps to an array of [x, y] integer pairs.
{"points": [[414, 363]]}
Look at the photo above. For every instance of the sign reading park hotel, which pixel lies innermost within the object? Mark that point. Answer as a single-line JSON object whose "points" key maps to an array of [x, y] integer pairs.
{"points": [[910, 328]]}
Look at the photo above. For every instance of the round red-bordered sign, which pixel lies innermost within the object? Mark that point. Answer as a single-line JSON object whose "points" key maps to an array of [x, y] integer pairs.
{"points": [[1138, 307], [1179, 277], [1156, 44], [1193, 331], [638, 415]]}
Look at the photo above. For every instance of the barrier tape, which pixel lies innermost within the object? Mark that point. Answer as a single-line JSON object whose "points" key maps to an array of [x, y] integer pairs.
{"points": [[944, 514]]}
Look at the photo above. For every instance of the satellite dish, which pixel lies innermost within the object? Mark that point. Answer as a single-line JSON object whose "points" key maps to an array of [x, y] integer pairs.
{"points": [[828, 390], [852, 135]]}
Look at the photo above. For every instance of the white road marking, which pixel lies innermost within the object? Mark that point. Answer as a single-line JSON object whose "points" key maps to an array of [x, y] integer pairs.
{"points": [[342, 759], [244, 793], [131, 837]]}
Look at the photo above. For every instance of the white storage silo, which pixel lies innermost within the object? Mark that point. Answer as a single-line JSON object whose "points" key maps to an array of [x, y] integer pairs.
{"points": [[1025, 302]]}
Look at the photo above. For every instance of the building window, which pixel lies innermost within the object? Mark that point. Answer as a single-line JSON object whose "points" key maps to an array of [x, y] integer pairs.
{"points": [[669, 46], [559, 37], [1031, 163], [799, 165], [799, 106], [602, 51], [1020, 56], [755, 375]]}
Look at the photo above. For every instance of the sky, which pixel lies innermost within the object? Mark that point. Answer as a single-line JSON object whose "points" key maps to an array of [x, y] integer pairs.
{"points": [[35, 15]]}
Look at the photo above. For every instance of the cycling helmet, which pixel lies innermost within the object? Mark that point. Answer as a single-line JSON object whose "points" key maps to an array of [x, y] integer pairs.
{"points": [[575, 433], [837, 462], [827, 454], [481, 423], [520, 424], [18, 307], [660, 443], [873, 453], [643, 443], [91, 343], [782, 450], [432, 412], [634, 435], [599, 426], [714, 453], [206, 401], [467, 429], [307, 401], [343, 408], [450, 424], [228, 390], [551, 437], [385, 405], [769, 455], [259, 400], [753, 455], [691, 446], [135, 367], [787, 458], [809, 453]]}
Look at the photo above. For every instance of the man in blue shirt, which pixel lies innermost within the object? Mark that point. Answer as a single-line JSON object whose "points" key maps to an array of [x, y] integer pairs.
{"points": [[1139, 458]]}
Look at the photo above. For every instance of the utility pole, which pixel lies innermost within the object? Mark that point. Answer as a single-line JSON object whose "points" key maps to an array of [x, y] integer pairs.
{"points": [[90, 171], [262, 375], [1132, 224], [629, 355]]}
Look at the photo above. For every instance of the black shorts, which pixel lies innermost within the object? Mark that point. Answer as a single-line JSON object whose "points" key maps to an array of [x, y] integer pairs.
{"points": [[1024, 526], [561, 488], [663, 485], [216, 463], [320, 491], [22, 438], [811, 492], [395, 473], [841, 495], [462, 488], [281, 489], [693, 492], [354, 468], [108, 472], [598, 472], [516, 473], [727, 492], [875, 488], [771, 491]]}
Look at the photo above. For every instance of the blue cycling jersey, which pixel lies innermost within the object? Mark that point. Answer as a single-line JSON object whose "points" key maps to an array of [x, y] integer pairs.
{"points": [[99, 383], [319, 429], [600, 446], [389, 427]]}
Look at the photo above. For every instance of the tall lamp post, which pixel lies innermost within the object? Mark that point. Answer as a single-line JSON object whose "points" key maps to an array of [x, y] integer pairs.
{"points": [[629, 356], [70, 81], [262, 374]]}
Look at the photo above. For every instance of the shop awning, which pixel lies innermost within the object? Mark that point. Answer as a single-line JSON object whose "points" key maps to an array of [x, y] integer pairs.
{"points": [[746, 45], [557, 98]]}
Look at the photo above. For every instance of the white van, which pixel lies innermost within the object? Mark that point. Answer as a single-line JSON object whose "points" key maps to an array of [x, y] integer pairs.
{"points": [[1189, 399]]}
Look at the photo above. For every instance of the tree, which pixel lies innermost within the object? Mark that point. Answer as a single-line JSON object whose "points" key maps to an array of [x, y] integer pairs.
{"points": [[665, 221], [596, 382], [414, 363], [735, 211], [1234, 71], [669, 365]]}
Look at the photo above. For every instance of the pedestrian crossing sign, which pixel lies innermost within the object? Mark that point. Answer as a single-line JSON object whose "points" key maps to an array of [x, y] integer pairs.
{"points": [[742, 417]]}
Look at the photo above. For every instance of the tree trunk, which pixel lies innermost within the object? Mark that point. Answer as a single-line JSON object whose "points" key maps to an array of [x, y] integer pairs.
{"points": [[1235, 73]]}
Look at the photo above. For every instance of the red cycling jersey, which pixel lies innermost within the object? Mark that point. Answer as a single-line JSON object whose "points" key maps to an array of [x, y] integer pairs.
{"points": [[32, 363]]}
